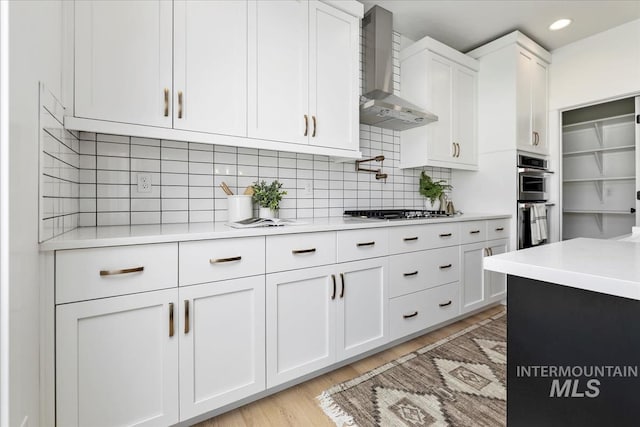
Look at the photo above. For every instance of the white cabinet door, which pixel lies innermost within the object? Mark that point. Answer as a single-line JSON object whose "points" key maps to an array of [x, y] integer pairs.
{"points": [[210, 66], [473, 293], [278, 85], [117, 361], [301, 322], [222, 344], [334, 82], [123, 61], [531, 103], [440, 139], [464, 116], [539, 109], [362, 307], [496, 282]]}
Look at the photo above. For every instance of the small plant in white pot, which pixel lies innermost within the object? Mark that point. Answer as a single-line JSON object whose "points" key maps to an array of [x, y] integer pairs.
{"points": [[433, 190], [268, 197]]}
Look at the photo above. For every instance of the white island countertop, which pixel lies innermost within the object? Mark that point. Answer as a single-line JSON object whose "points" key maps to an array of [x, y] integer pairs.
{"points": [[607, 266], [90, 237]]}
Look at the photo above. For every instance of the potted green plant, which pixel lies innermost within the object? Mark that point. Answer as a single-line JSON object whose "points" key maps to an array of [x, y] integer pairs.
{"points": [[433, 190], [268, 197]]}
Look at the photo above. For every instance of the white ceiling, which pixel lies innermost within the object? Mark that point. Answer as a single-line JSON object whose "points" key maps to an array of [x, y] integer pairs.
{"points": [[467, 24]]}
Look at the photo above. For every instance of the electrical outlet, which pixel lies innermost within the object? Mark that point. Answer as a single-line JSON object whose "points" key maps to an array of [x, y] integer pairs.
{"points": [[144, 183], [307, 189]]}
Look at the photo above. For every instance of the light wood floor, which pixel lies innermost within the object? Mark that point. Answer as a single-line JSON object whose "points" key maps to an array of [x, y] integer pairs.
{"points": [[297, 406]]}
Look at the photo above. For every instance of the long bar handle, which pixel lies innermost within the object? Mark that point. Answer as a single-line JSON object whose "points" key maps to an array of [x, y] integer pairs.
{"points": [[442, 267], [333, 278], [221, 260], [474, 231], [313, 134], [444, 304], [166, 102], [446, 235], [186, 316], [170, 319], [500, 229], [413, 273], [410, 239], [365, 244], [121, 271], [306, 125], [180, 104], [303, 251], [407, 316], [342, 289]]}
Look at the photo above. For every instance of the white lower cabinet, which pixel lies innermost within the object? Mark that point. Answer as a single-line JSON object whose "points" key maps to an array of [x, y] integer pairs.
{"points": [[117, 358], [221, 344], [478, 288], [117, 361], [318, 316]]}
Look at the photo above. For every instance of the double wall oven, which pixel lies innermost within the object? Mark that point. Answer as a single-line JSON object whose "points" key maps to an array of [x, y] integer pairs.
{"points": [[533, 190]]}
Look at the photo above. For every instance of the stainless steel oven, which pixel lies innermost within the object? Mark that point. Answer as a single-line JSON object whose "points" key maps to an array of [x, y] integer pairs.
{"points": [[532, 179]]}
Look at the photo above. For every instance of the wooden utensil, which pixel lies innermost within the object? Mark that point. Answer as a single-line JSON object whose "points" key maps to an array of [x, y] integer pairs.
{"points": [[248, 191], [226, 188]]}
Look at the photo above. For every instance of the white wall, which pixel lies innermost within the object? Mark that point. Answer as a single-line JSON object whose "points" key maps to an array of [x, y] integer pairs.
{"points": [[34, 55], [599, 68]]}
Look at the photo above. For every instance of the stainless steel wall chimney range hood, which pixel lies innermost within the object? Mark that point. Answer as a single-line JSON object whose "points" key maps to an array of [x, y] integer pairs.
{"points": [[380, 107]]}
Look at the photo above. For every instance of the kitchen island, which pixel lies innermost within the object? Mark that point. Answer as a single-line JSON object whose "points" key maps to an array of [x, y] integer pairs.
{"points": [[573, 311]]}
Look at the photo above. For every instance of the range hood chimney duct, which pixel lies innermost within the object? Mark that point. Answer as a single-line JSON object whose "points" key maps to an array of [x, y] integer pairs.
{"points": [[380, 107]]}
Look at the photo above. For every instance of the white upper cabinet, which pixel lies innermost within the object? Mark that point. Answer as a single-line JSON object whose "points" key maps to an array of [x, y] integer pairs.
{"points": [[334, 82], [303, 74], [278, 84], [123, 61], [210, 66], [444, 82], [531, 101]]}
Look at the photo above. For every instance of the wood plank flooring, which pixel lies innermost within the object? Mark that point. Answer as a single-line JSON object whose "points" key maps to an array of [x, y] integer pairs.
{"points": [[297, 406]]}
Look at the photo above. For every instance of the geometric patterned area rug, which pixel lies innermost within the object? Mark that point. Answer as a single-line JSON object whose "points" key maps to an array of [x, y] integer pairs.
{"points": [[457, 381]]}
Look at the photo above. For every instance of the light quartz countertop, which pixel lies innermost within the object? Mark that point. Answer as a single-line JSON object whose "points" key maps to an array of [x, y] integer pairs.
{"points": [[90, 237], [607, 266]]}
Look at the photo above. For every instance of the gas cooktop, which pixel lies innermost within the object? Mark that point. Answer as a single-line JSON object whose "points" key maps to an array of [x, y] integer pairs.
{"points": [[397, 214]]}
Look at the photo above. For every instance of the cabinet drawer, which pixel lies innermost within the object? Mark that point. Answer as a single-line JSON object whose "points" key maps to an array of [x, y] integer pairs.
{"points": [[498, 228], [416, 271], [212, 260], [414, 312], [472, 232], [300, 251], [83, 274], [360, 244], [421, 237]]}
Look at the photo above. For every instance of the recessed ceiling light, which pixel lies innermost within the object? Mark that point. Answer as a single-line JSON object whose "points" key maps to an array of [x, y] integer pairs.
{"points": [[560, 24]]}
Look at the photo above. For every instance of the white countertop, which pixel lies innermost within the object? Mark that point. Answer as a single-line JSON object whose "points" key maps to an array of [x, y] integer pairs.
{"points": [[607, 266], [89, 237]]}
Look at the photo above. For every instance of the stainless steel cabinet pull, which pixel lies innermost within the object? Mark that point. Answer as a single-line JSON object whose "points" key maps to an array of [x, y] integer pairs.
{"points": [[445, 235], [313, 135], [442, 267], [365, 244], [170, 319], [458, 149], [180, 104], [454, 149], [414, 314], [342, 289], [306, 125], [166, 102], [410, 239], [303, 251], [486, 251], [333, 295], [221, 260], [500, 229], [490, 252], [186, 316], [413, 273], [474, 231], [444, 304], [122, 271]]}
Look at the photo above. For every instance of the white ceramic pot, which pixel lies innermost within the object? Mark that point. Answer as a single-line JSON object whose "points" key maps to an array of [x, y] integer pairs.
{"points": [[431, 206], [239, 207], [267, 213]]}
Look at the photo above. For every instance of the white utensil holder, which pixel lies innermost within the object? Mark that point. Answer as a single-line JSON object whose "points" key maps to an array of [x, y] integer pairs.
{"points": [[239, 207]]}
